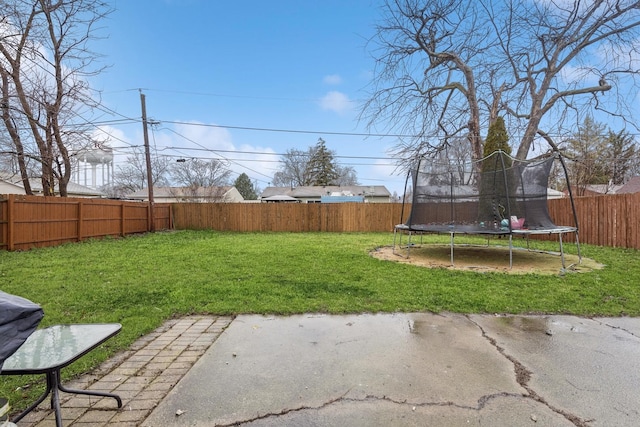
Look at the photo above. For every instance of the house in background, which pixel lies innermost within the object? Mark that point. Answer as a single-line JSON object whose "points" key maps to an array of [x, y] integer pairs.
{"points": [[328, 194], [225, 194], [631, 186], [7, 187], [599, 189], [12, 184], [73, 190], [555, 194]]}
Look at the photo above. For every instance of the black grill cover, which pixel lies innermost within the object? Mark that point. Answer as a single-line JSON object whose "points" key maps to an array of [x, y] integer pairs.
{"points": [[19, 317]]}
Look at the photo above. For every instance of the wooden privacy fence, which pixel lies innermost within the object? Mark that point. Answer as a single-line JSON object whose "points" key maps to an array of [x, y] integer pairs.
{"points": [[611, 220], [608, 220], [32, 221], [295, 217]]}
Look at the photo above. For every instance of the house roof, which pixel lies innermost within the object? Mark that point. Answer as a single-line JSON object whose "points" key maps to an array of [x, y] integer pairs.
{"points": [[73, 189], [7, 187], [603, 188], [319, 191], [632, 186]]}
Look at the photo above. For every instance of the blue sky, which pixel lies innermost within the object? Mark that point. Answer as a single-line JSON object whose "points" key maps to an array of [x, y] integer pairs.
{"points": [[231, 79]]}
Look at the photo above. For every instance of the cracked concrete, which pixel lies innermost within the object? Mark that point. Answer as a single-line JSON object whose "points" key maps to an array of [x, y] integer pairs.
{"points": [[412, 369], [585, 369]]}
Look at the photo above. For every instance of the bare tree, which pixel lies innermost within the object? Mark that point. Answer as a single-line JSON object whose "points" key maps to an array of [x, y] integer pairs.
{"points": [[201, 178], [347, 175], [293, 170], [45, 62], [447, 68], [132, 176], [587, 150], [622, 152]]}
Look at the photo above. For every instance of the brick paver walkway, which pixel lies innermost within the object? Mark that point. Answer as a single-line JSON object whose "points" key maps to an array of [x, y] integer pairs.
{"points": [[142, 376]]}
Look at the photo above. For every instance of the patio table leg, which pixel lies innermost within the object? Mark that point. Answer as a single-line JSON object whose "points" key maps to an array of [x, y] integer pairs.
{"points": [[53, 386], [54, 378], [35, 404], [90, 393]]}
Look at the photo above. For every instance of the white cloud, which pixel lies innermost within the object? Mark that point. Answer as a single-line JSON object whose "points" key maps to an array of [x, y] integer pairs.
{"points": [[332, 79], [110, 136], [202, 136], [336, 101], [255, 161]]}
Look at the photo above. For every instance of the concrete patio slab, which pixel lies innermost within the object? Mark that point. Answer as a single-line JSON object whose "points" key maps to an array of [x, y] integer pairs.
{"points": [[412, 369]]}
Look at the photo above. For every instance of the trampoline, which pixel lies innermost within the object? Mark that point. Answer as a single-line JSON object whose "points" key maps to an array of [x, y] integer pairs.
{"points": [[498, 196]]}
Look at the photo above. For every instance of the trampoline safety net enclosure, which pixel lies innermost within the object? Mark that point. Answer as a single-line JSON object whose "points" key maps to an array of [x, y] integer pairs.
{"points": [[499, 196]]}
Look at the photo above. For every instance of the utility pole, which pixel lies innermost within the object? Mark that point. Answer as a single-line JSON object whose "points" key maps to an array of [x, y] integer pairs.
{"points": [[152, 226]]}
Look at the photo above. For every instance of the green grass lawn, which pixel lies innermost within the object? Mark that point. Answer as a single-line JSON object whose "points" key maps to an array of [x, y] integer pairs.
{"points": [[141, 281]]}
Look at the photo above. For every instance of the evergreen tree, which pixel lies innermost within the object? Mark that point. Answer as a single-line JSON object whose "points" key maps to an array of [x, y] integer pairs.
{"points": [[245, 187], [321, 168], [494, 191], [497, 139]]}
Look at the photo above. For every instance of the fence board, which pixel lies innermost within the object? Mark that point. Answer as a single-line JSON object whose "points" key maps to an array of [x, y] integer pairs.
{"points": [[631, 213]]}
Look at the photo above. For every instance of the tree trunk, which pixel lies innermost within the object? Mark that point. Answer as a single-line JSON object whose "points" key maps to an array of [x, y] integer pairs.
{"points": [[14, 134]]}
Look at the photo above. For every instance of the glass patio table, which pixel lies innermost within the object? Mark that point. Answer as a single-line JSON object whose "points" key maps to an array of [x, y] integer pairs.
{"points": [[48, 350]]}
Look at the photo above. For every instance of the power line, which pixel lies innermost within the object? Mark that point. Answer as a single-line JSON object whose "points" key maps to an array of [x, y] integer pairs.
{"points": [[316, 132], [200, 145], [266, 153]]}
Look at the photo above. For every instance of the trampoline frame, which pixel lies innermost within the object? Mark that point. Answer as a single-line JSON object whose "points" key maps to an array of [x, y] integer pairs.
{"points": [[421, 230]]}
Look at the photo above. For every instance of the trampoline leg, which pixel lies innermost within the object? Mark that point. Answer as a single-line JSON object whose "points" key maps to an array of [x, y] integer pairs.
{"points": [[398, 239], [452, 234], [395, 232], [510, 251], [561, 250]]}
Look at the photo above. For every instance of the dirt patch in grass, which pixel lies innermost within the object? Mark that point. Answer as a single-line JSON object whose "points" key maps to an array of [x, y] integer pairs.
{"points": [[484, 259]]}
